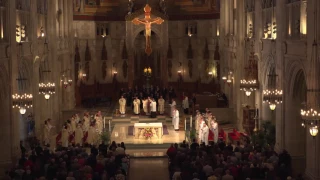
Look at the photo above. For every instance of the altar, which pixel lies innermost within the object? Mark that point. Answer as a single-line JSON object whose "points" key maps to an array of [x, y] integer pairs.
{"points": [[156, 127]]}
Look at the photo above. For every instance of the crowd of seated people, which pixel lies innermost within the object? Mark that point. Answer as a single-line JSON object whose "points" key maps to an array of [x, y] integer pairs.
{"points": [[102, 162], [227, 162], [144, 92]]}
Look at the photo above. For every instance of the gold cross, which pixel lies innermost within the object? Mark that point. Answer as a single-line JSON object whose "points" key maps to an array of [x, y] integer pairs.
{"points": [[147, 21]]}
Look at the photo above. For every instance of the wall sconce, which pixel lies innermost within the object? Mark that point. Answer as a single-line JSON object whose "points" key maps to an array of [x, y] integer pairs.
{"points": [[114, 70], [42, 32], [18, 37]]}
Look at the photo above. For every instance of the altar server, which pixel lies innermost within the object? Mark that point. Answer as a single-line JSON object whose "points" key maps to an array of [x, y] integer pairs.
{"points": [[153, 107], [136, 106], [173, 105], [122, 103], [175, 119]]}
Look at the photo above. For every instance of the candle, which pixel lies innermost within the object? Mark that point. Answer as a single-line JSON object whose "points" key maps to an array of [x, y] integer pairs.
{"points": [[104, 123], [190, 122], [109, 126], [185, 124]]}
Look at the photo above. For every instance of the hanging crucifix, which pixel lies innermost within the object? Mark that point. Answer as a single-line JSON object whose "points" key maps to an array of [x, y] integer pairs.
{"points": [[147, 21]]}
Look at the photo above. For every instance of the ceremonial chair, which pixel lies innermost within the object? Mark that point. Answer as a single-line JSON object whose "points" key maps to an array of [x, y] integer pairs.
{"points": [[234, 136], [210, 136], [222, 135], [58, 139]]}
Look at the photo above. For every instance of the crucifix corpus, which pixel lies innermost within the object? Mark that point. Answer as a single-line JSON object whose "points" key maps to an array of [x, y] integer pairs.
{"points": [[147, 21]]}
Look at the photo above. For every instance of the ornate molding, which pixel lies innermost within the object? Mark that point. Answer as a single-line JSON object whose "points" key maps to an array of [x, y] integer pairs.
{"points": [[140, 12]]}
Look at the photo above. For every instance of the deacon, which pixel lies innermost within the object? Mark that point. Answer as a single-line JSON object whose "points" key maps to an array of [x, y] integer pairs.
{"points": [[122, 103], [136, 106], [153, 106], [161, 102], [175, 119]]}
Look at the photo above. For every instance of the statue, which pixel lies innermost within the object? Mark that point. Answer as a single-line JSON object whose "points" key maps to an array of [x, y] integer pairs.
{"points": [[163, 7], [130, 6], [147, 21]]}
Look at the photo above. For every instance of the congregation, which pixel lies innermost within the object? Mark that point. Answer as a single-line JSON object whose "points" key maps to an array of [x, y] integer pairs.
{"points": [[218, 161]]}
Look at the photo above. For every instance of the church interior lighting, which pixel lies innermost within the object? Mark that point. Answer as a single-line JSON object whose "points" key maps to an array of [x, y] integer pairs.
{"points": [[313, 131], [22, 102], [47, 89], [147, 71]]}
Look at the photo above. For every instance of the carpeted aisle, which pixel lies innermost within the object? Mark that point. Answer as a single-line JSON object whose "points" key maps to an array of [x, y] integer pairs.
{"points": [[148, 168]]}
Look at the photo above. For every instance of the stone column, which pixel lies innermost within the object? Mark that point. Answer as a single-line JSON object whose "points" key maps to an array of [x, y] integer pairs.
{"points": [[36, 58], [280, 67], [239, 64], [13, 71], [312, 144], [53, 104], [164, 49]]}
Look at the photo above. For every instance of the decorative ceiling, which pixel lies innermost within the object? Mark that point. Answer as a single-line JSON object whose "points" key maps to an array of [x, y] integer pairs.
{"points": [[117, 10]]}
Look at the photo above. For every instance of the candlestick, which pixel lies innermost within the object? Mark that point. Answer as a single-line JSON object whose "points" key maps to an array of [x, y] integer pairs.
{"points": [[190, 122], [104, 123], [109, 126]]}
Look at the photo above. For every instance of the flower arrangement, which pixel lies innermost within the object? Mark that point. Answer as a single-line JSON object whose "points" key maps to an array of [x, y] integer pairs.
{"points": [[148, 133]]}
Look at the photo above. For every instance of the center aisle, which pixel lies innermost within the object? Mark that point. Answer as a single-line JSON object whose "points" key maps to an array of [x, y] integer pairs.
{"points": [[148, 168]]}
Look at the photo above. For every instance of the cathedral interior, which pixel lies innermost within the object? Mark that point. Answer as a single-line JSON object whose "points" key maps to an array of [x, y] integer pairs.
{"points": [[56, 55]]}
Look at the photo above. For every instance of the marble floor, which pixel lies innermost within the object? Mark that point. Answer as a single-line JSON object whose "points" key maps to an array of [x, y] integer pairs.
{"points": [[149, 168], [120, 134]]}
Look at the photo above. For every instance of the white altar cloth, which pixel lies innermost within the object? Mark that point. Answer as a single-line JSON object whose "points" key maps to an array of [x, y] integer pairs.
{"points": [[138, 126]]}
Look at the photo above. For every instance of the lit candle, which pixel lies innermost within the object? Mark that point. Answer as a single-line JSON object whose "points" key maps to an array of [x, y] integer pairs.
{"points": [[109, 126], [185, 124]]}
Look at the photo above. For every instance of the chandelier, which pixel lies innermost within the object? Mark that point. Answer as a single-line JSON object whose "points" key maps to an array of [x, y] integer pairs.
{"points": [[147, 71], [47, 89], [311, 114], [272, 95], [66, 78], [250, 83], [22, 102], [228, 78]]}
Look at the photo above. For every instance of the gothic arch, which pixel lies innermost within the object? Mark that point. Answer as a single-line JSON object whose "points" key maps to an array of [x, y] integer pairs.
{"points": [[294, 67]]}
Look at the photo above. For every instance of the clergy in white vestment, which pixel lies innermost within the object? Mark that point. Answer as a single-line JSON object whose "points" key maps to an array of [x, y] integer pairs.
{"points": [[46, 133], [201, 125], [86, 122], [185, 105], [77, 118], [122, 104], [153, 108], [91, 135], [99, 124], [173, 106], [136, 106], [144, 105], [175, 119], [197, 120], [73, 124], [214, 128], [65, 136], [205, 134], [78, 135], [161, 102]]}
